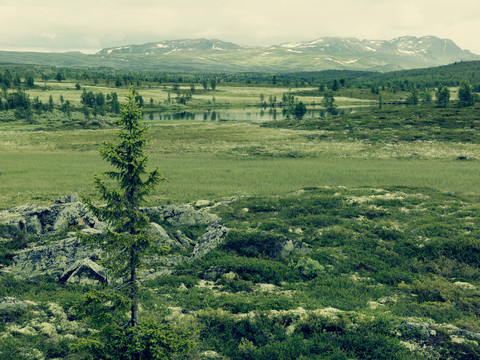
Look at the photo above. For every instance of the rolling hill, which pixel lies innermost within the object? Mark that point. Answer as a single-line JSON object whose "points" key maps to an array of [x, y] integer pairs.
{"points": [[219, 56]]}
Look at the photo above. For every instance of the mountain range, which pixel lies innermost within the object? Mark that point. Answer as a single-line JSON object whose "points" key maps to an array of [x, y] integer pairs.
{"points": [[220, 56]]}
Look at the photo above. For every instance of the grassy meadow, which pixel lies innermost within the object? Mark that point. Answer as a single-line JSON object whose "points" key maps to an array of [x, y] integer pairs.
{"points": [[215, 160]]}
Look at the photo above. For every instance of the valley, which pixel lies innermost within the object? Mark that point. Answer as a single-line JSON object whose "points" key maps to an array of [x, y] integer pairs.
{"points": [[337, 235]]}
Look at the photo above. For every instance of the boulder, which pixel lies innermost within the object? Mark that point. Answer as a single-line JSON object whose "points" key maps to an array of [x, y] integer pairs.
{"points": [[209, 240], [183, 239], [35, 219], [51, 259], [180, 216], [84, 271], [65, 199], [26, 217], [161, 237], [68, 214], [73, 261]]}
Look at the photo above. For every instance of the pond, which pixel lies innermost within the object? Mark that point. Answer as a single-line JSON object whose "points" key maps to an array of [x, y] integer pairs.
{"points": [[253, 115]]}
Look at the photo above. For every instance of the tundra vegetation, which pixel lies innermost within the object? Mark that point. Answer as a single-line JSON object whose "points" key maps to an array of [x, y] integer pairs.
{"points": [[351, 236]]}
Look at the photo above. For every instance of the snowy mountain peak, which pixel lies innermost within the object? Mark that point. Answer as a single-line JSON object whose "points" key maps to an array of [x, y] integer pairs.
{"points": [[173, 46], [319, 54]]}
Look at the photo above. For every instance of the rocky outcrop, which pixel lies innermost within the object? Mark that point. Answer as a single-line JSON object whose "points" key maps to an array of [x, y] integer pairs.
{"points": [[65, 212], [207, 242], [53, 258], [26, 217], [73, 261], [84, 271], [162, 238], [180, 216]]}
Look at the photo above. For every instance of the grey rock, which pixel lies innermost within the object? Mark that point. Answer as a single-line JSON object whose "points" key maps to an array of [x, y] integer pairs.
{"points": [[33, 225], [66, 211], [173, 260], [155, 274], [209, 240], [183, 239], [84, 271], [161, 237], [67, 199], [28, 217], [51, 259], [90, 231], [179, 216], [73, 261], [68, 214]]}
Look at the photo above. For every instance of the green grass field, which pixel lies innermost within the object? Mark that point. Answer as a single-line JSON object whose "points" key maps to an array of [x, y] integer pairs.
{"points": [[215, 160]]}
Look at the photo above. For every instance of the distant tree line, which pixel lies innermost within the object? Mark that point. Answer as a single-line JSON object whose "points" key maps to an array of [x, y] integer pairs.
{"points": [[24, 107]]}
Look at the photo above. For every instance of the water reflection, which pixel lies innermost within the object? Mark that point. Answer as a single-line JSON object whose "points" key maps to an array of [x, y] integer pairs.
{"points": [[240, 115]]}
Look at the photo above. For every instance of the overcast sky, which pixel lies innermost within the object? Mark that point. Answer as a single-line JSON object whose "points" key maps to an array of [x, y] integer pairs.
{"points": [[90, 25]]}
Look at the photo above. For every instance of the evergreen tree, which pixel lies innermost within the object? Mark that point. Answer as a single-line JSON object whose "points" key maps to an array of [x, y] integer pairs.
{"points": [[213, 83], [328, 103], [442, 96], [17, 82], [127, 240], [113, 103], [29, 81], [465, 95], [335, 85], [59, 77], [412, 98], [50, 105], [7, 78], [300, 110]]}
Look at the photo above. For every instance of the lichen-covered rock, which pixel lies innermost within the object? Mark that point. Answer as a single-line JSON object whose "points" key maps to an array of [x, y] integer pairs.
{"points": [[73, 261], [84, 271], [209, 240], [180, 216], [35, 219], [68, 215], [26, 217], [51, 259], [70, 198], [161, 237], [182, 238]]}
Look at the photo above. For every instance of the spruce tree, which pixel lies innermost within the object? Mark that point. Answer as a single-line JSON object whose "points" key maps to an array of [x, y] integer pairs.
{"points": [[127, 240]]}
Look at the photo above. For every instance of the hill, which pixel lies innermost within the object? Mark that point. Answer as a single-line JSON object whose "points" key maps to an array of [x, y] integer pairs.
{"points": [[219, 56]]}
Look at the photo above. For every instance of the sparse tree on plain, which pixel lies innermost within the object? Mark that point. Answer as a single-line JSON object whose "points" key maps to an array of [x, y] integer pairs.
{"points": [[465, 95], [213, 83], [127, 240], [442, 96], [328, 103]]}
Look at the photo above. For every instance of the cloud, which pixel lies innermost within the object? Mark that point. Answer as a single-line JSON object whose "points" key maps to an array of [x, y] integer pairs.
{"points": [[67, 25]]}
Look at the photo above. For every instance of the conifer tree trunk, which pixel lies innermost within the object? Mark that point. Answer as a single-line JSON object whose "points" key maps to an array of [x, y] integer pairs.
{"points": [[134, 288]]}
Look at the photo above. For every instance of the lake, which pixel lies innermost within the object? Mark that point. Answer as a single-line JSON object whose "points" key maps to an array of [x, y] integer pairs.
{"points": [[253, 115]]}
